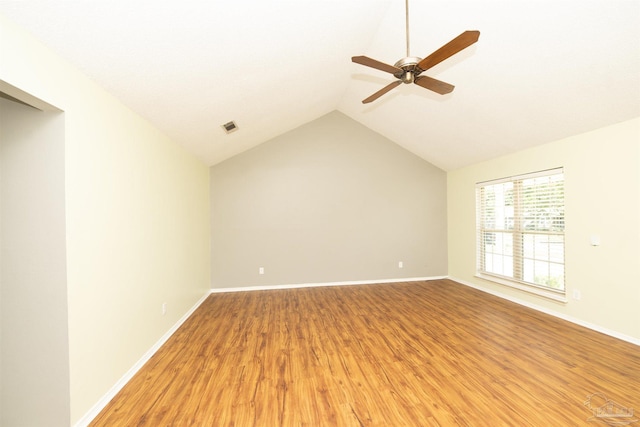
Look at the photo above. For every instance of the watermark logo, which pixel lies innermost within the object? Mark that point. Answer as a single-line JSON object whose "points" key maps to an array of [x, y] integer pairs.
{"points": [[609, 412]]}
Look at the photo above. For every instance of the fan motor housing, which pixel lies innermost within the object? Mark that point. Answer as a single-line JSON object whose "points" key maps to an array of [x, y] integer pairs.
{"points": [[410, 70]]}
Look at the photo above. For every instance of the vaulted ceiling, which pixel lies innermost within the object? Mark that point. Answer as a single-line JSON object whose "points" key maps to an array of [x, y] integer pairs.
{"points": [[541, 71]]}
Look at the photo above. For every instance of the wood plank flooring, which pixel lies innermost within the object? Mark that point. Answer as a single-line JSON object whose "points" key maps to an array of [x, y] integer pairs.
{"points": [[433, 353]]}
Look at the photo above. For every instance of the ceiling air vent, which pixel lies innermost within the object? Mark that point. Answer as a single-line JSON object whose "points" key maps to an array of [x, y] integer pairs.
{"points": [[229, 127]]}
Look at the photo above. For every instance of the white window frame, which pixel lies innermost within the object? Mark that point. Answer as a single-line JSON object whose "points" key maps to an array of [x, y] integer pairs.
{"points": [[512, 227]]}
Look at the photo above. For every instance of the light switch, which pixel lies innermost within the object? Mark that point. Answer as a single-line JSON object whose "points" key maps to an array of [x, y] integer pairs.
{"points": [[595, 240]]}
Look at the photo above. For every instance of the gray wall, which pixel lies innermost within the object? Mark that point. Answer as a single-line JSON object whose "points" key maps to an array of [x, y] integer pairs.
{"points": [[327, 202], [34, 368]]}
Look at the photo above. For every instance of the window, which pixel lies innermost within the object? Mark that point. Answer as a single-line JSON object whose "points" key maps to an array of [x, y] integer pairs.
{"points": [[520, 231]]}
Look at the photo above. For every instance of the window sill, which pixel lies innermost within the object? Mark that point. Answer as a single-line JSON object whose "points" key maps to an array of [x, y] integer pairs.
{"points": [[552, 295]]}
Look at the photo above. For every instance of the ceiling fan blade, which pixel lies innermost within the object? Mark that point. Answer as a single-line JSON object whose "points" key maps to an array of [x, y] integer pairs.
{"points": [[463, 41], [382, 91], [365, 60], [432, 84]]}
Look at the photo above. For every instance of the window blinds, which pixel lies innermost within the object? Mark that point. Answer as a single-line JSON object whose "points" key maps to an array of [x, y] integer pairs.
{"points": [[520, 228]]}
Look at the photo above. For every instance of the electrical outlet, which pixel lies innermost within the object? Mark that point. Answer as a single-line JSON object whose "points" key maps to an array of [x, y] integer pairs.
{"points": [[400, 264], [164, 308], [261, 270], [577, 295]]}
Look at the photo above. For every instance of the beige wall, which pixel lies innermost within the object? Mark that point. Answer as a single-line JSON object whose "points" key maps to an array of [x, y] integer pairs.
{"points": [[137, 220], [33, 286], [602, 188], [330, 201]]}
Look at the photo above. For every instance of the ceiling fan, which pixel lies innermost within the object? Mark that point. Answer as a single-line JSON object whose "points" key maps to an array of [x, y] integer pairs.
{"points": [[409, 69]]}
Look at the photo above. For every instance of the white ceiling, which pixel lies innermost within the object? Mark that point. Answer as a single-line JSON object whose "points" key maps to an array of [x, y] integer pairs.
{"points": [[541, 71]]}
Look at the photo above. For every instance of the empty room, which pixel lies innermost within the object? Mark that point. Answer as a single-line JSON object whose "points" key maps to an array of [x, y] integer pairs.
{"points": [[319, 213]]}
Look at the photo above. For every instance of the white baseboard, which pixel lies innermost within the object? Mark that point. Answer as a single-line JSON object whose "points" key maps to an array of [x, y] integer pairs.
{"points": [[99, 406], [314, 285], [554, 313]]}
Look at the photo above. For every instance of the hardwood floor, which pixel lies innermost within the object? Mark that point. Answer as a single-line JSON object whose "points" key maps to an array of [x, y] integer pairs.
{"points": [[431, 353]]}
